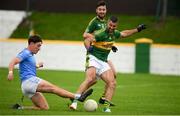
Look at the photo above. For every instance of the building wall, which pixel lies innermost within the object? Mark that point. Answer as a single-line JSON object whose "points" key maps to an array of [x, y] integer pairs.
{"points": [[66, 56], [165, 59], [62, 55]]}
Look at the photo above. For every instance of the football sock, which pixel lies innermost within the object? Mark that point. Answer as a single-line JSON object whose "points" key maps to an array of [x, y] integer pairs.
{"points": [[107, 104], [77, 96]]}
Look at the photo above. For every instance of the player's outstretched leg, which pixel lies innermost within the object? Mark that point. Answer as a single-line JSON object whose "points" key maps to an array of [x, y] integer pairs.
{"points": [[83, 96]]}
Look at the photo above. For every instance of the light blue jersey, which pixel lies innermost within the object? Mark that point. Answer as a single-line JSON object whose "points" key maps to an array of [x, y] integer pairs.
{"points": [[27, 65]]}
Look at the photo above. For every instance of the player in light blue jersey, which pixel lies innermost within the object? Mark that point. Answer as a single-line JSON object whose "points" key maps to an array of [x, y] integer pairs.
{"points": [[31, 85]]}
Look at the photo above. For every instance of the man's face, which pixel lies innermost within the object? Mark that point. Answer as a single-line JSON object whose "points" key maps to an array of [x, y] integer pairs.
{"points": [[35, 47], [101, 11], [112, 26]]}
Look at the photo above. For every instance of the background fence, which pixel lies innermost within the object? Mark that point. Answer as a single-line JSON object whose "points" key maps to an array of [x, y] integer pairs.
{"points": [[164, 59]]}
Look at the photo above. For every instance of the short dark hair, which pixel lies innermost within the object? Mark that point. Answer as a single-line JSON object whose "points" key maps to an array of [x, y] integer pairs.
{"points": [[113, 19], [34, 39], [101, 3]]}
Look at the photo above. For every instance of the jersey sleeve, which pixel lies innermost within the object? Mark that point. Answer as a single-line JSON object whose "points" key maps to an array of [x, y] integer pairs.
{"points": [[91, 27], [23, 55], [117, 34]]}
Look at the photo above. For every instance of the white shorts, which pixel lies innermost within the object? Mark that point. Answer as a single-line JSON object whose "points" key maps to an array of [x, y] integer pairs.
{"points": [[30, 85], [100, 65]]}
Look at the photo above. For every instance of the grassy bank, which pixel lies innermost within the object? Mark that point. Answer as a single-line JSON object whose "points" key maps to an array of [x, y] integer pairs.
{"points": [[67, 26]]}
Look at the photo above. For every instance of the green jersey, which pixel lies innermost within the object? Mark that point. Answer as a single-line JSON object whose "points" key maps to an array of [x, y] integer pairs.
{"points": [[104, 43], [95, 24]]}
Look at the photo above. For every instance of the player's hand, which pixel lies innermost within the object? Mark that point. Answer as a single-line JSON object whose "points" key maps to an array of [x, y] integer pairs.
{"points": [[39, 65], [114, 49], [88, 35], [90, 49], [141, 27], [10, 76]]}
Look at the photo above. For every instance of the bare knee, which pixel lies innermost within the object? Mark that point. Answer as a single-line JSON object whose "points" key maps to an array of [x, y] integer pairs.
{"points": [[90, 81], [39, 101]]}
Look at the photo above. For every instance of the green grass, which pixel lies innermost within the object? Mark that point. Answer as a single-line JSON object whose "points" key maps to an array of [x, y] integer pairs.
{"points": [[136, 94], [68, 26]]}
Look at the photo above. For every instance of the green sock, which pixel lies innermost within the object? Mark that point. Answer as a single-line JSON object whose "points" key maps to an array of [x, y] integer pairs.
{"points": [[107, 104]]}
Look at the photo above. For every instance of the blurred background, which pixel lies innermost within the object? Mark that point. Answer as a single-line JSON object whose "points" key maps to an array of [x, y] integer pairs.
{"points": [[147, 63], [66, 20], [54, 19], [135, 7]]}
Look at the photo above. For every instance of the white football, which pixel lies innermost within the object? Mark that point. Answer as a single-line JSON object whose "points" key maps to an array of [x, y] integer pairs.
{"points": [[90, 105]]}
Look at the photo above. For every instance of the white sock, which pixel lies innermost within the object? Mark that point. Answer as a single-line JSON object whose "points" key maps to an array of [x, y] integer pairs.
{"points": [[77, 96], [20, 108], [74, 104]]}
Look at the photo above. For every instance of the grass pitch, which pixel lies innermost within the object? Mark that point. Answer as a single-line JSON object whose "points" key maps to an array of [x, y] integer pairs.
{"points": [[136, 94]]}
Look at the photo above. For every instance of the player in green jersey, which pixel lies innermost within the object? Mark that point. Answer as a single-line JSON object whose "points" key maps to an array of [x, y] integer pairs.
{"points": [[102, 42], [96, 24]]}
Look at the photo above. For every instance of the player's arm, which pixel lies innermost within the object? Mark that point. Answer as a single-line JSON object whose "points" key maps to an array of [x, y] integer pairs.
{"points": [[88, 41], [11, 68], [127, 33], [130, 32], [87, 35]]}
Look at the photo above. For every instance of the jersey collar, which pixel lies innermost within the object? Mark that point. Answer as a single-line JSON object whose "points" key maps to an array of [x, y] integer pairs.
{"points": [[29, 51], [102, 20], [107, 31]]}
